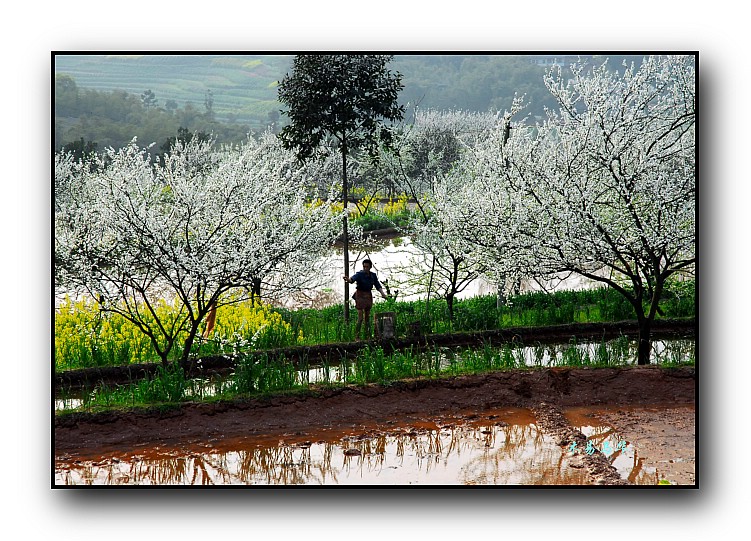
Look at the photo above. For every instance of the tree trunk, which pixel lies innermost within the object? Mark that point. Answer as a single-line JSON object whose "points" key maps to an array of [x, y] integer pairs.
{"points": [[188, 344], [645, 323], [454, 279], [430, 288], [517, 286], [501, 295], [645, 342], [346, 234], [255, 291], [162, 352]]}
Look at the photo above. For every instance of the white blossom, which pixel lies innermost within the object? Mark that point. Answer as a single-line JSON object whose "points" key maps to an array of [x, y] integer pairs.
{"points": [[604, 187], [205, 221]]}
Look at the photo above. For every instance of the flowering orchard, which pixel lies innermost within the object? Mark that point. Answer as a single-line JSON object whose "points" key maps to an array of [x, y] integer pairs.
{"points": [[131, 233], [604, 187]]}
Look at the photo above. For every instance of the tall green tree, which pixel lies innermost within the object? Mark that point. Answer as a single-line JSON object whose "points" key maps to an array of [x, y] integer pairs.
{"points": [[346, 100], [148, 98]]}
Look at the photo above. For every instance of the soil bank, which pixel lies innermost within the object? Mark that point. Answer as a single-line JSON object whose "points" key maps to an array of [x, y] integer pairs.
{"points": [[334, 353], [664, 437], [310, 412]]}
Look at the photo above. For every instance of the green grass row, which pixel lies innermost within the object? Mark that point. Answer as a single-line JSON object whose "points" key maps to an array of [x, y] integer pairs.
{"points": [[257, 377], [87, 339], [373, 219], [481, 313]]}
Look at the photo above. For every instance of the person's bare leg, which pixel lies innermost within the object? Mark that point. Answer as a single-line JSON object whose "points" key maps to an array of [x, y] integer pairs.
{"points": [[359, 324], [367, 324]]}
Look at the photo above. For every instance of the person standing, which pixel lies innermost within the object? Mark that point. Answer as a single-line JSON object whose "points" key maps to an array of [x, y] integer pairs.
{"points": [[366, 280]]}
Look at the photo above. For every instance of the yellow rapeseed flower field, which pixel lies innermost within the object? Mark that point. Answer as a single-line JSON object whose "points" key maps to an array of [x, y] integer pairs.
{"points": [[393, 208], [85, 336]]}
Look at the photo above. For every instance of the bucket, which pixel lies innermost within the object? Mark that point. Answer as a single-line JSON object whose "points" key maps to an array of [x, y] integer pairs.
{"points": [[385, 325]]}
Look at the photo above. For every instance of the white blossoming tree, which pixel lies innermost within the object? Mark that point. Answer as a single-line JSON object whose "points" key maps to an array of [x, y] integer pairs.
{"points": [[437, 161], [131, 233], [605, 187], [448, 258]]}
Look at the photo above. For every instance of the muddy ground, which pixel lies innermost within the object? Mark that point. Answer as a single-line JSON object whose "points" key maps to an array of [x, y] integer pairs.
{"points": [[625, 393], [664, 438]]}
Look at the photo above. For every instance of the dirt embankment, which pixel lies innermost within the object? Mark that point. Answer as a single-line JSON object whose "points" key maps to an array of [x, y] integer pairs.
{"points": [[599, 469], [334, 353], [665, 438], [315, 410]]}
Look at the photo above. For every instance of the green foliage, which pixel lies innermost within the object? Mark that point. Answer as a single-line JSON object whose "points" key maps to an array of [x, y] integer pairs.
{"points": [[245, 91], [679, 298], [372, 221], [480, 82], [239, 82], [80, 150], [263, 375], [481, 313], [86, 338], [112, 118], [167, 385], [258, 376], [348, 97], [472, 82], [183, 136], [393, 213]]}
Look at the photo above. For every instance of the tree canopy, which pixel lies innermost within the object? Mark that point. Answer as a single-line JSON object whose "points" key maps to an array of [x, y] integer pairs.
{"points": [[344, 99], [132, 232], [605, 187], [347, 97]]}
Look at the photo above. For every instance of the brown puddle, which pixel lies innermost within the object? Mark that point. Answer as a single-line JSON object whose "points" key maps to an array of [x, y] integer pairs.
{"points": [[666, 434], [619, 450], [498, 447]]}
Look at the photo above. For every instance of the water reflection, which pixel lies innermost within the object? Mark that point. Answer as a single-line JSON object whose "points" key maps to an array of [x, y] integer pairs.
{"points": [[505, 447], [626, 460]]}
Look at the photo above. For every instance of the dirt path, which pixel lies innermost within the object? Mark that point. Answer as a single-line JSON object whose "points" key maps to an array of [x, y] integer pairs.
{"points": [[309, 412], [599, 470]]}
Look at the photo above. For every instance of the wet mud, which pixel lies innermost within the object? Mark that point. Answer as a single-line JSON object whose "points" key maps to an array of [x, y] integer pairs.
{"points": [[545, 445], [499, 447], [664, 437], [596, 463], [309, 414]]}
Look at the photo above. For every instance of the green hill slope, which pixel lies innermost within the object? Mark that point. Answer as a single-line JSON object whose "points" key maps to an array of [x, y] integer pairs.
{"points": [[243, 87]]}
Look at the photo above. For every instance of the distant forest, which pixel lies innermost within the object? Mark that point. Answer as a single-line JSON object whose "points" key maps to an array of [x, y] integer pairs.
{"points": [[105, 100]]}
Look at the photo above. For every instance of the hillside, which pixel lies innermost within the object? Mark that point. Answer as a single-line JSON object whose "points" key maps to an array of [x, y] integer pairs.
{"points": [[242, 89]]}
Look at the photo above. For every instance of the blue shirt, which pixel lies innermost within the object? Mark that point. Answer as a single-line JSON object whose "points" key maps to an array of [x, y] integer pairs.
{"points": [[366, 281]]}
